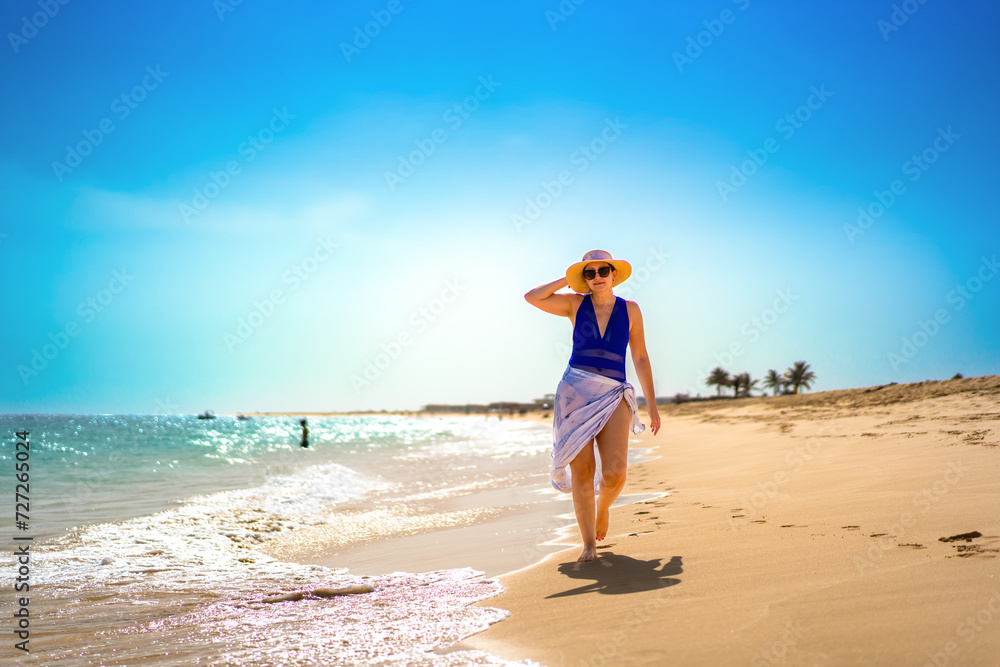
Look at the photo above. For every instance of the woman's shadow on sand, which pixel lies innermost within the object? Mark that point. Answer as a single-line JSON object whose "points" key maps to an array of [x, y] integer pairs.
{"points": [[616, 574]]}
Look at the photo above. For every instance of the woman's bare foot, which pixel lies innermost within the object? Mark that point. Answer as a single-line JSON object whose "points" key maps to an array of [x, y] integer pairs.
{"points": [[589, 553], [603, 519]]}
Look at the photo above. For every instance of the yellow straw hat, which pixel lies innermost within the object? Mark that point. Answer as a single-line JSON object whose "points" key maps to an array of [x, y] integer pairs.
{"points": [[574, 274]]}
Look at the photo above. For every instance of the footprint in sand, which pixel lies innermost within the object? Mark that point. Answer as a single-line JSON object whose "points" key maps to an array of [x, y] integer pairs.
{"points": [[969, 550], [976, 437], [967, 537]]}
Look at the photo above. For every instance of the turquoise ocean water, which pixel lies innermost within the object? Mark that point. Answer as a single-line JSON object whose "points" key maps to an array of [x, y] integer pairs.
{"points": [[145, 533]]}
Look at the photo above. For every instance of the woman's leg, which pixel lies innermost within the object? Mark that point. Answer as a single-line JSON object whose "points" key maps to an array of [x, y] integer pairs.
{"points": [[612, 444], [582, 473]]}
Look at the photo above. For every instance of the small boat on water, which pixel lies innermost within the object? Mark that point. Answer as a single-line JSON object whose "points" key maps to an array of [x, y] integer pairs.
{"points": [[207, 414], [243, 417]]}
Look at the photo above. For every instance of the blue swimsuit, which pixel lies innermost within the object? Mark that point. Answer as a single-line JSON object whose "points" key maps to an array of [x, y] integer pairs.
{"points": [[604, 356]]}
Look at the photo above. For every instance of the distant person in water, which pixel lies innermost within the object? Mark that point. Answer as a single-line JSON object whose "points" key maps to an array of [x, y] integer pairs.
{"points": [[305, 433], [595, 407]]}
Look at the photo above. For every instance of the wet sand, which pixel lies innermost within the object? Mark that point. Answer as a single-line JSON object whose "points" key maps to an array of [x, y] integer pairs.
{"points": [[494, 532]]}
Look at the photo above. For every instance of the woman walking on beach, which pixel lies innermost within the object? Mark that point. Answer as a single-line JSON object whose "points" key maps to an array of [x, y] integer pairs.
{"points": [[595, 407]]}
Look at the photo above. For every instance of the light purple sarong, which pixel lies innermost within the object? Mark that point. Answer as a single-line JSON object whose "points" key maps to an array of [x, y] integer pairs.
{"points": [[584, 403]]}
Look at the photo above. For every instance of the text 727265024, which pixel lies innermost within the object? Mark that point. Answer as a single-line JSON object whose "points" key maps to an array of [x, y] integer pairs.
{"points": [[22, 555]]}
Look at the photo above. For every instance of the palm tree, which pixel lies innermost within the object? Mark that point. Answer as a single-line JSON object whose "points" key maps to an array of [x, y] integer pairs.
{"points": [[719, 378], [736, 383], [799, 375], [743, 384], [774, 381]]}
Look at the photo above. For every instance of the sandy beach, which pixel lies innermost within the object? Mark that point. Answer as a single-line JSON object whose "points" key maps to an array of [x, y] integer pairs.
{"points": [[852, 527]]}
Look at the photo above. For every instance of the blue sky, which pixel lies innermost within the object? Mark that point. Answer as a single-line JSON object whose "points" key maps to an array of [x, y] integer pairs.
{"points": [[223, 206]]}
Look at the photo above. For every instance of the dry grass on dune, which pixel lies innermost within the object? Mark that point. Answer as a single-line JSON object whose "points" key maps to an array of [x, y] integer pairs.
{"points": [[987, 386]]}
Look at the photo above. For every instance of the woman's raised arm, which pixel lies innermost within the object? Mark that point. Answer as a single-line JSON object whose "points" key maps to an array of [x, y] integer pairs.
{"points": [[545, 298]]}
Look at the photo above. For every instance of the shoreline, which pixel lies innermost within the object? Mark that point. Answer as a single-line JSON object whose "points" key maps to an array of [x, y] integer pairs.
{"points": [[712, 458], [495, 531], [201, 573], [793, 523], [845, 527], [501, 519]]}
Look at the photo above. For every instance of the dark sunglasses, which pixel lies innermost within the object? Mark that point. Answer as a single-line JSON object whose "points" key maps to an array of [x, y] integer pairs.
{"points": [[590, 274]]}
